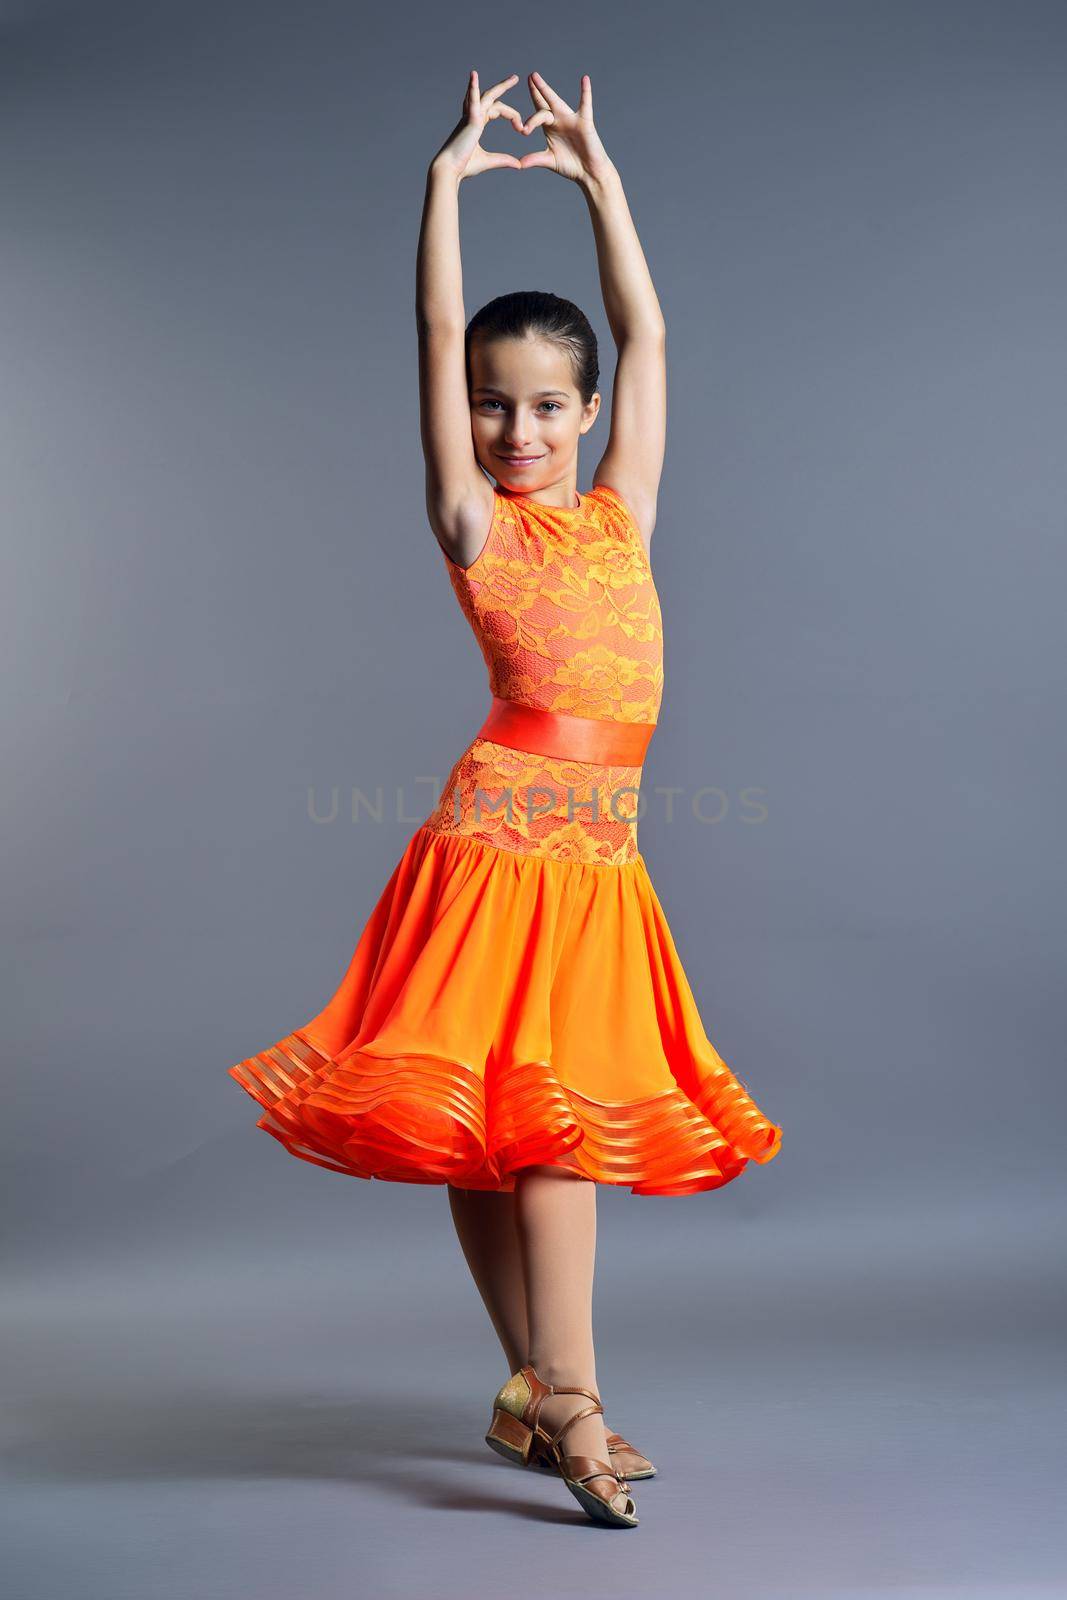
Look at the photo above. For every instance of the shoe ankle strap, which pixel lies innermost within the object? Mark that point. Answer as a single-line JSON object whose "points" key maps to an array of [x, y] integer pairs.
{"points": [[540, 1393], [573, 1388]]}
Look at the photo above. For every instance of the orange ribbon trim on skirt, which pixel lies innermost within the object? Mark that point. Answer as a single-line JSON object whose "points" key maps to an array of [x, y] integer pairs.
{"points": [[598, 740]]}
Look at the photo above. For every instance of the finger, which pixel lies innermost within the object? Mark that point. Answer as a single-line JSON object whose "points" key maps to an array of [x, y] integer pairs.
{"points": [[497, 90], [537, 119], [540, 158], [585, 103], [500, 108], [535, 94], [499, 158], [556, 101]]}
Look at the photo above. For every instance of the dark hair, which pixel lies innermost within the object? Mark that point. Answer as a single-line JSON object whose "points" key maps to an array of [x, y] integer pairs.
{"points": [[529, 313]]}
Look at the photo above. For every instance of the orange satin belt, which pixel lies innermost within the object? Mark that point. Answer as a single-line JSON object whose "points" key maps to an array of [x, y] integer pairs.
{"points": [[599, 740]]}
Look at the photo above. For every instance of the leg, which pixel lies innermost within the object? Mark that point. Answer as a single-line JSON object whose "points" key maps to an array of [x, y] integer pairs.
{"points": [[556, 1215], [488, 1234]]}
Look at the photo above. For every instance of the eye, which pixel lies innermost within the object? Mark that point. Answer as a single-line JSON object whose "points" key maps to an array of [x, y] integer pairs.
{"points": [[553, 405]]}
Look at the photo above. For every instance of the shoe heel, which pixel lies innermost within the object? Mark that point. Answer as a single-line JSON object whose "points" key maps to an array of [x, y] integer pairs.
{"points": [[509, 1437]]}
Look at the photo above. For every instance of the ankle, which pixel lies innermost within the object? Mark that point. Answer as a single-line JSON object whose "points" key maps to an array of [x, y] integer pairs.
{"points": [[565, 1372]]}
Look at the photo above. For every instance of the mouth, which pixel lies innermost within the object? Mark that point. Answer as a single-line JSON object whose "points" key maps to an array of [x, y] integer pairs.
{"points": [[520, 461]]}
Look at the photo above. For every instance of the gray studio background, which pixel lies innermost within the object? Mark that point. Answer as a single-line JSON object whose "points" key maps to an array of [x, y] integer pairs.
{"points": [[230, 1373]]}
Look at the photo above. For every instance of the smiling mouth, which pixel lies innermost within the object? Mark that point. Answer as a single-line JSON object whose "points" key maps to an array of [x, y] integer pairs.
{"points": [[520, 461]]}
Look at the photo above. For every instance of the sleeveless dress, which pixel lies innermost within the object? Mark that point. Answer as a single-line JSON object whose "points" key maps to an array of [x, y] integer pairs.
{"points": [[516, 997]]}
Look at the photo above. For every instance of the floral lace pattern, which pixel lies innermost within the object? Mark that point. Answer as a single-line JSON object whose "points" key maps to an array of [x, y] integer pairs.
{"points": [[565, 611], [538, 805]]}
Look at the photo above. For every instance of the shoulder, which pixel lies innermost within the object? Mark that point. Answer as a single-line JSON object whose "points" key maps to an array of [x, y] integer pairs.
{"points": [[637, 509]]}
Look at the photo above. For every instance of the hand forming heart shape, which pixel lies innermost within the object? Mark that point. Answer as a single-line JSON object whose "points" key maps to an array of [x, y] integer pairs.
{"points": [[572, 148]]}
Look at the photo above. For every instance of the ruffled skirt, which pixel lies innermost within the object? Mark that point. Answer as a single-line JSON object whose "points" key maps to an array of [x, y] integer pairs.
{"points": [[503, 1010]]}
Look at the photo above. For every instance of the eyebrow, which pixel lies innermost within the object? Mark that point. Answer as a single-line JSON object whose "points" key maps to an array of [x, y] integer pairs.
{"points": [[485, 388]]}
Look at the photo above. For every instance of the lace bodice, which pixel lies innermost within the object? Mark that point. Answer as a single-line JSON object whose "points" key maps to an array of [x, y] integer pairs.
{"points": [[564, 608]]}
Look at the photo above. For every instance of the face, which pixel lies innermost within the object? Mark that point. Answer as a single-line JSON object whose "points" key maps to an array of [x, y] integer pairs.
{"points": [[524, 404]]}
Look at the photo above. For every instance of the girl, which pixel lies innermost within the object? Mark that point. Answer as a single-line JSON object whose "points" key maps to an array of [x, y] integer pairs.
{"points": [[515, 1021]]}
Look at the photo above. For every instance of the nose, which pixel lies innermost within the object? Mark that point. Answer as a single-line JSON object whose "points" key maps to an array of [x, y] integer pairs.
{"points": [[516, 435]]}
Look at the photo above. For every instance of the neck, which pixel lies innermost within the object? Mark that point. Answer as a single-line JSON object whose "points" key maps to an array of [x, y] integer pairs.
{"points": [[564, 496]]}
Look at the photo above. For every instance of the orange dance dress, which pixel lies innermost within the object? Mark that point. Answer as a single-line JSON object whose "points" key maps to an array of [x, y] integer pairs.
{"points": [[516, 997]]}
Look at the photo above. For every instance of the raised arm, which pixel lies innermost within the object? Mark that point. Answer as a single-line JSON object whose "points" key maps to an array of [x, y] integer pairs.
{"points": [[459, 501], [633, 460]]}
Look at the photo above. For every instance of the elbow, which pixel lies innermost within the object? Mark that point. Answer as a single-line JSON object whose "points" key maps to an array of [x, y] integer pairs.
{"points": [[650, 330], [429, 326]]}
